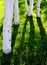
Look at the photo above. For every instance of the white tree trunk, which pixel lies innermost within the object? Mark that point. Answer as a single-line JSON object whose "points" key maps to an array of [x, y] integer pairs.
{"points": [[31, 6], [38, 8], [7, 26], [16, 13], [27, 9]]}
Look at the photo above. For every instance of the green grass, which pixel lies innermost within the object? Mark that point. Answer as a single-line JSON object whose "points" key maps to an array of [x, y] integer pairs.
{"points": [[29, 39]]}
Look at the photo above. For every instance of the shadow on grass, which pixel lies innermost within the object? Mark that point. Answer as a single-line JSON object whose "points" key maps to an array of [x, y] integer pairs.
{"points": [[6, 59], [31, 42], [14, 34], [24, 51], [26, 54], [43, 42], [20, 49], [42, 30], [24, 30]]}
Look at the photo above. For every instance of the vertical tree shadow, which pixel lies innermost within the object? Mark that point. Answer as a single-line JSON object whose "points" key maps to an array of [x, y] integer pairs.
{"points": [[43, 40], [21, 50], [42, 30], [32, 32], [31, 42], [24, 29], [14, 34]]}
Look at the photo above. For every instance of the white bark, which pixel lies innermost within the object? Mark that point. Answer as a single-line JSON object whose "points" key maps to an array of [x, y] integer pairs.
{"points": [[38, 8], [16, 19], [7, 26], [31, 6], [27, 9]]}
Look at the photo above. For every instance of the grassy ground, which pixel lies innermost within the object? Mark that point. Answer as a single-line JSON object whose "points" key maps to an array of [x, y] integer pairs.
{"points": [[29, 39]]}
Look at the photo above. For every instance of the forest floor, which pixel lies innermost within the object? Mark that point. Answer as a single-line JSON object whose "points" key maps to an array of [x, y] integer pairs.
{"points": [[29, 39]]}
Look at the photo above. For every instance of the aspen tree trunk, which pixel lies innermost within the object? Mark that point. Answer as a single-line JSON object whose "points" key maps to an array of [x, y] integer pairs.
{"points": [[16, 19], [27, 9], [7, 26], [38, 8], [31, 7]]}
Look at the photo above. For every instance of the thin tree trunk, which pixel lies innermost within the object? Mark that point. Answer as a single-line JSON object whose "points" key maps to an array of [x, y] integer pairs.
{"points": [[7, 26], [31, 6], [16, 19], [27, 9], [38, 8]]}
